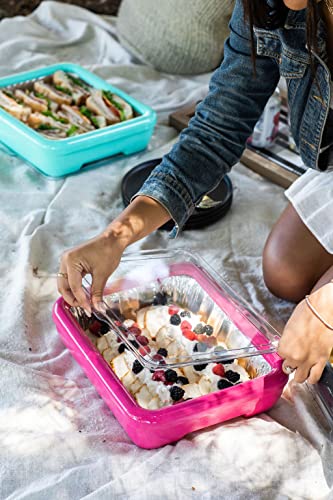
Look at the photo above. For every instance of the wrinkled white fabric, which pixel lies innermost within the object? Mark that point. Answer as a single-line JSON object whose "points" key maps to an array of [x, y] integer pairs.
{"points": [[58, 440]]}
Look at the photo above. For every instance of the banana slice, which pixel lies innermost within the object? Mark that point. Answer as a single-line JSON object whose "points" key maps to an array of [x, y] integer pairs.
{"points": [[102, 343], [119, 365], [191, 391], [140, 317], [136, 386], [129, 379], [205, 385], [189, 373], [173, 349], [155, 318], [108, 355], [143, 397], [162, 338], [154, 403]]}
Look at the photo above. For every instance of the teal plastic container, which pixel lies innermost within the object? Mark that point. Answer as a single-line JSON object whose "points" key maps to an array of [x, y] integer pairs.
{"points": [[61, 157]]}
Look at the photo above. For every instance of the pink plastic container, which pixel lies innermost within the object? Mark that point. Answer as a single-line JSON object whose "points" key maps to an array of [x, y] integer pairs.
{"points": [[155, 428]]}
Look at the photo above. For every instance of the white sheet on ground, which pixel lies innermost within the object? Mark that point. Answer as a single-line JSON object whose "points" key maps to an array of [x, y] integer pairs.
{"points": [[57, 437]]}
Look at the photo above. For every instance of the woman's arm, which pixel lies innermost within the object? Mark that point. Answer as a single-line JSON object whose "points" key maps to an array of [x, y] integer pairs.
{"points": [[101, 255], [206, 150], [217, 134]]}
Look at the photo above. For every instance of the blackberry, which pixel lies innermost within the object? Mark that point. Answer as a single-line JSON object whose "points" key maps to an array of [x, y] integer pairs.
{"points": [[202, 347], [185, 314], [182, 380], [134, 344], [218, 349], [199, 329], [223, 384], [176, 393], [104, 329], [162, 352], [175, 319], [232, 376], [171, 375], [228, 362], [121, 348], [199, 368], [208, 330], [160, 299], [137, 367]]}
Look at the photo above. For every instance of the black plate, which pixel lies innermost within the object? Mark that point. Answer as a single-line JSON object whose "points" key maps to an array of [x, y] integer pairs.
{"points": [[201, 217]]}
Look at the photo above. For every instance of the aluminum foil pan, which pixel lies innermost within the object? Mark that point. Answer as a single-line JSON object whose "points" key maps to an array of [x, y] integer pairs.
{"points": [[187, 293]]}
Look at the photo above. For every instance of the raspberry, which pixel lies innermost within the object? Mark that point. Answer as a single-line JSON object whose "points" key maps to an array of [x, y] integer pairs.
{"points": [[189, 334], [162, 352], [223, 384], [185, 325], [144, 350], [157, 357], [142, 340], [117, 322], [219, 370], [208, 330], [232, 376], [171, 376], [182, 380], [201, 367], [135, 330], [95, 327], [173, 310], [175, 319], [159, 376], [176, 393], [137, 367]]}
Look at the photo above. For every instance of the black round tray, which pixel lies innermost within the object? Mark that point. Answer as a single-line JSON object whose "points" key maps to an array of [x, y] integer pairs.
{"points": [[201, 217]]}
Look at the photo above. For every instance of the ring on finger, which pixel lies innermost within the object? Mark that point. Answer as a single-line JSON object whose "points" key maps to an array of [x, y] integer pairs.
{"points": [[288, 370], [62, 275]]}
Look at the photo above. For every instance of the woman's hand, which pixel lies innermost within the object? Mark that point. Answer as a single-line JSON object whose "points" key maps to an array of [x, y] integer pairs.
{"points": [[101, 255], [306, 343], [98, 257]]}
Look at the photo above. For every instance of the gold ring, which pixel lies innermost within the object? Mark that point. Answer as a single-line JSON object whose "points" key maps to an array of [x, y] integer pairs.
{"points": [[62, 275]]}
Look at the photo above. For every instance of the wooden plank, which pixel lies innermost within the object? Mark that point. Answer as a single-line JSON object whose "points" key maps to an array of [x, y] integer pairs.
{"points": [[268, 169]]}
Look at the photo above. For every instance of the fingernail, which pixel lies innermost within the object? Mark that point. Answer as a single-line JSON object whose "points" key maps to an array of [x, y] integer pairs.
{"points": [[88, 313], [100, 306]]}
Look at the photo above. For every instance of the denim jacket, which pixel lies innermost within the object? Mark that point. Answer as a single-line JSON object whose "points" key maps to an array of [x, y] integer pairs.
{"points": [[216, 136]]}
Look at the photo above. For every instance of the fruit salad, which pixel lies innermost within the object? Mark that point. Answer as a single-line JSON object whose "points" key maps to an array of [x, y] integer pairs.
{"points": [[167, 332]]}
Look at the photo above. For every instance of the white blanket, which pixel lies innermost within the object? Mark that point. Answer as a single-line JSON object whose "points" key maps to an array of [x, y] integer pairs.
{"points": [[58, 440]]}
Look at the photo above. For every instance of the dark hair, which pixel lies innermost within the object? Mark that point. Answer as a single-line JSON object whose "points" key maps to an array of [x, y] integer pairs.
{"points": [[272, 15]]}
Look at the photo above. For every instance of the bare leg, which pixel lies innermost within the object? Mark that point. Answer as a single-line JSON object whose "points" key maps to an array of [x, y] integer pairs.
{"points": [[294, 262]]}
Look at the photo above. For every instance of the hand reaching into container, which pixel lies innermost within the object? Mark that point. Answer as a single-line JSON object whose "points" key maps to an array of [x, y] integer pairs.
{"points": [[306, 343], [101, 255]]}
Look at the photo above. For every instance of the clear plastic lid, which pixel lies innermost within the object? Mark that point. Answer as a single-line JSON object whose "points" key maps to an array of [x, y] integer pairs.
{"points": [[171, 309]]}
